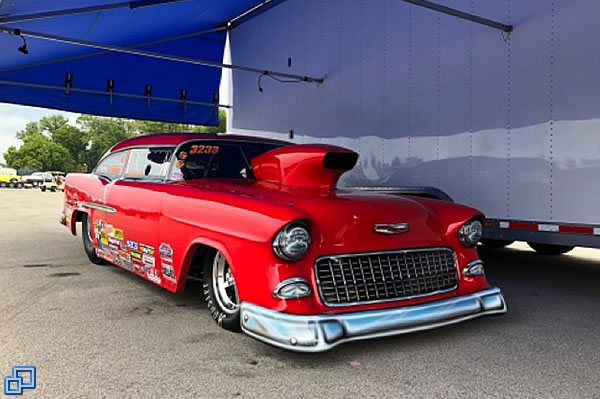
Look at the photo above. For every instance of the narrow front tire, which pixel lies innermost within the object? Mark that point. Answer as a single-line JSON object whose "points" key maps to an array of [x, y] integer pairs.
{"points": [[220, 291]]}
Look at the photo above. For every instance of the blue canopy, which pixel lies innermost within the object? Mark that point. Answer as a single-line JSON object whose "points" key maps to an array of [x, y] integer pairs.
{"points": [[104, 81]]}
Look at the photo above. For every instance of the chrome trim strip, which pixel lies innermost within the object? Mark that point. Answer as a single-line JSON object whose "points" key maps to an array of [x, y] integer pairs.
{"points": [[318, 333], [291, 281], [375, 301], [99, 207]]}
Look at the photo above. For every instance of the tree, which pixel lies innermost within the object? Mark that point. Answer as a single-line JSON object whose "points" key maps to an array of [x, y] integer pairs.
{"points": [[38, 152], [75, 141], [149, 127], [53, 144], [103, 133]]}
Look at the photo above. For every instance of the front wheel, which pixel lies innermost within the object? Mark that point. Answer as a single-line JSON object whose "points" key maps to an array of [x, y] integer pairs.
{"points": [[88, 243], [43, 188], [3, 184], [550, 249], [221, 292]]}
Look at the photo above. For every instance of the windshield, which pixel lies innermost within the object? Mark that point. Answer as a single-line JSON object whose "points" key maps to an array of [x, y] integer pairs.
{"points": [[217, 159]]}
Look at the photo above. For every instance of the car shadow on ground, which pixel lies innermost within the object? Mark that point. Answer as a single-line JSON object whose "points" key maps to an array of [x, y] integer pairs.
{"points": [[522, 275]]}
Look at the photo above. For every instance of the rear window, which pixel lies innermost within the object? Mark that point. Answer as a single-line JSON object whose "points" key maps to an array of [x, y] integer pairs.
{"points": [[217, 159]]}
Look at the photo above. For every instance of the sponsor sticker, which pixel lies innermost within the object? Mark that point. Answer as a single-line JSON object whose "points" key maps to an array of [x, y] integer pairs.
{"points": [[148, 260], [124, 260], [147, 249], [152, 275], [103, 237], [118, 234], [168, 273], [176, 175], [166, 252], [132, 245], [135, 255]]}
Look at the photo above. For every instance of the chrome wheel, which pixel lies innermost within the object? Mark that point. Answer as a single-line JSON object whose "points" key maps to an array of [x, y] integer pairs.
{"points": [[224, 285]]}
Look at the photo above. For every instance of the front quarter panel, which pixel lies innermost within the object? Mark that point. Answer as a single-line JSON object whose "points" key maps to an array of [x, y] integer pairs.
{"points": [[242, 227]]}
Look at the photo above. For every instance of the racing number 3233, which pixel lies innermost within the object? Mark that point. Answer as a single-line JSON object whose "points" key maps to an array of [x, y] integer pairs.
{"points": [[204, 149]]}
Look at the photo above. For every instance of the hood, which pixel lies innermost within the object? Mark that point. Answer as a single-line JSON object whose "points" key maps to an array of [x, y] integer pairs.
{"points": [[343, 220], [307, 166]]}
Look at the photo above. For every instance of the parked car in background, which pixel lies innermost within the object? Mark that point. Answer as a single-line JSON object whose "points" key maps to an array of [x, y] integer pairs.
{"points": [[284, 255], [9, 177], [57, 183], [36, 179]]}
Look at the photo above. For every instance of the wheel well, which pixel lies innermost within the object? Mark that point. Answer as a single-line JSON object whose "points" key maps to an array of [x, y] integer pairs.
{"points": [[193, 263], [76, 216]]}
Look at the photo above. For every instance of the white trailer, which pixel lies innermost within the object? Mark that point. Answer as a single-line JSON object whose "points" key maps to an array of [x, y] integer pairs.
{"points": [[504, 122]]}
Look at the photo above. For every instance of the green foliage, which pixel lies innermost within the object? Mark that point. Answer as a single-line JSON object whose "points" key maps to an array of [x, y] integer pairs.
{"points": [[53, 144], [149, 127], [40, 153]]}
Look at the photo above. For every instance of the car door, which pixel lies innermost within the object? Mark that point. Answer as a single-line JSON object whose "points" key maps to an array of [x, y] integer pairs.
{"points": [[108, 170], [136, 198]]}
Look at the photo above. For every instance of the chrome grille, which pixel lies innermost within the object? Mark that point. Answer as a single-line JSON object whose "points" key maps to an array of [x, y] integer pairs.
{"points": [[385, 276]]}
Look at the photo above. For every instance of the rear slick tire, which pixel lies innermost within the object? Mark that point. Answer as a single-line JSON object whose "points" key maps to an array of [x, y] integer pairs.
{"points": [[88, 244], [220, 291], [550, 249]]}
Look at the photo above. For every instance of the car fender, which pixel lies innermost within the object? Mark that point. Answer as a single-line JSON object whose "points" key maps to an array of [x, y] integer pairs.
{"points": [[189, 255]]}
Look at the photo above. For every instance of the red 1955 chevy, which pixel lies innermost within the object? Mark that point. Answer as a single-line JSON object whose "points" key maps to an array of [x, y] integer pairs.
{"points": [[284, 255]]}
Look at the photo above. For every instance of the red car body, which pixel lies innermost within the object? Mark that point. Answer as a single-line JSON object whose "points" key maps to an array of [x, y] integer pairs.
{"points": [[168, 219]]}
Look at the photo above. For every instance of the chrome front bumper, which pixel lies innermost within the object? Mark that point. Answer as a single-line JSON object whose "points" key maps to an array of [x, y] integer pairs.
{"points": [[322, 332]]}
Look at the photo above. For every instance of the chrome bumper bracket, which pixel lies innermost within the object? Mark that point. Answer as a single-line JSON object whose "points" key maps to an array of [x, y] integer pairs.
{"points": [[322, 332]]}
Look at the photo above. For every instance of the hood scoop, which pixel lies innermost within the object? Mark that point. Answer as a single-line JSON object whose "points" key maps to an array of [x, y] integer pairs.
{"points": [[311, 166]]}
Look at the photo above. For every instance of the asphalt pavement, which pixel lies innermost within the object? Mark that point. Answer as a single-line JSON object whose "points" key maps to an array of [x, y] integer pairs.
{"points": [[100, 332]]}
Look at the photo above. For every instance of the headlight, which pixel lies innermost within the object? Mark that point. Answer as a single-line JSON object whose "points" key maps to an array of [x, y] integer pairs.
{"points": [[292, 242], [470, 233]]}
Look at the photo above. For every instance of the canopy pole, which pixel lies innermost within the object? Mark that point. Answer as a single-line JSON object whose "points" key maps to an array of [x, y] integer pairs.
{"points": [[461, 14], [152, 54], [83, 10], [110, 93]]}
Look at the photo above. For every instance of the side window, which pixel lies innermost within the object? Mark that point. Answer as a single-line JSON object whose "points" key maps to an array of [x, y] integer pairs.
{"points": [[148, 164], [112, 166], [48, 178]]}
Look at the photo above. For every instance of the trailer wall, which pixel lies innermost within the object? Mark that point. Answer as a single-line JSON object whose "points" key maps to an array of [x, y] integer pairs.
{"points": [[509, 125]]}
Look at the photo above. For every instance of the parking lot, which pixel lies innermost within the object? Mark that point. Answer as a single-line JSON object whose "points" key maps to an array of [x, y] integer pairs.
{"points": [[95, 331]]}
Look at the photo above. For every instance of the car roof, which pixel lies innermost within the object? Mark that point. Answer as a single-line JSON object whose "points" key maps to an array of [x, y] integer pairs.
{"points": [[174, 139]]}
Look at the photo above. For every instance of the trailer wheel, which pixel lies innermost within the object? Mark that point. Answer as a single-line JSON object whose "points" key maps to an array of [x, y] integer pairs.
{"points": [[53, 189], [88, 244], [550, 249], [495, 244]]}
